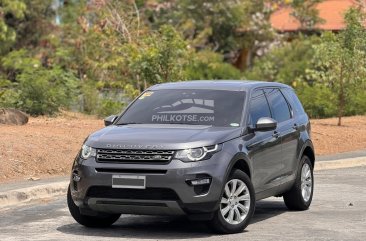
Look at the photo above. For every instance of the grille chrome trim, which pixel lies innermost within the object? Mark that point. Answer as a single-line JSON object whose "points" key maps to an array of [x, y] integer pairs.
{"points": [[134, 156]]}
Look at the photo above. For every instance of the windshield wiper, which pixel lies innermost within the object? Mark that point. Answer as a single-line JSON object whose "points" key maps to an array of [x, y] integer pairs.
{"points": [[128, 123], [188, 124]]}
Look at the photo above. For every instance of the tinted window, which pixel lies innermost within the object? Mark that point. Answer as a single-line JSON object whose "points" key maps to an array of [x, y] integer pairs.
{"points": [[191, 107], [295, 102], [279, 106], [258, 106]]}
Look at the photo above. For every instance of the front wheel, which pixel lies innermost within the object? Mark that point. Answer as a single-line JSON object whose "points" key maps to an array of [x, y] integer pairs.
{"points": [[237, 204], [100, 221], [301, 194]]}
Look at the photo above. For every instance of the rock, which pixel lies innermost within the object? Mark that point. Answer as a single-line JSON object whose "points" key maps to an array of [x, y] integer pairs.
{"points": [[13, 117], [34, 179]]}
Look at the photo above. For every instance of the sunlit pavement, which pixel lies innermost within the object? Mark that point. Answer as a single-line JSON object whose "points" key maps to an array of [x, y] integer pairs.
{"points": [[338, 212]]}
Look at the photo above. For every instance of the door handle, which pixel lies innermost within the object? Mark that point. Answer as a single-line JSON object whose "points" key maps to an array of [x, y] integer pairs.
{"points": [[276, 134], [295, 127]]}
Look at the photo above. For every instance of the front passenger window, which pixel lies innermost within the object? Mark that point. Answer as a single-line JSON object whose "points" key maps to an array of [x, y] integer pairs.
{"points": [[258, 107]]}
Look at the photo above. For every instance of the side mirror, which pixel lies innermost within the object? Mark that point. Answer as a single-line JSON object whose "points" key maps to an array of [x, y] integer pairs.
{"points": [[110, 119], [265, 124]]}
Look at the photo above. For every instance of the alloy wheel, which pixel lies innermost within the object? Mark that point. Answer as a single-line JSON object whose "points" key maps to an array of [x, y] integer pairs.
{"points": [[306, 182], [235, 202]]}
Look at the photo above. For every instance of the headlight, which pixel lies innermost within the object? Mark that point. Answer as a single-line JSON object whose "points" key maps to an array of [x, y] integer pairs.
{"points": [[197, 154], [87, 151]]}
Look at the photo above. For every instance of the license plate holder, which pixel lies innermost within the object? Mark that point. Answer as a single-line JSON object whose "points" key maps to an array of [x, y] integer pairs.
{"points": [[129, 181]]}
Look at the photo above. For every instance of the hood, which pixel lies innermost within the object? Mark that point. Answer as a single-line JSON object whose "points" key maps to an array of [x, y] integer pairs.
{"points": [[163, 137]]}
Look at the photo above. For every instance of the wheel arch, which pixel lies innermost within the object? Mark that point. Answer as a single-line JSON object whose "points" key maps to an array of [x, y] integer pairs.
{"points": [[308, 150], [239, 161]]}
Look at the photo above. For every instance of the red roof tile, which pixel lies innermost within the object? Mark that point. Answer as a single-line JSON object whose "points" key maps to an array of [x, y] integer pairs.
{"points": [[331, 11]]}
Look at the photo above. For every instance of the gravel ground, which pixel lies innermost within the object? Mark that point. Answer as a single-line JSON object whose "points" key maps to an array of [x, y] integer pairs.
{"points": [[329, 138], [337, 213], [47, 146]]}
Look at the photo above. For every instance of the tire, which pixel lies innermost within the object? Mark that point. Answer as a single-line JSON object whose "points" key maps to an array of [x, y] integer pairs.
{"points": [[240, 219], [298, 198], [100, 221]]}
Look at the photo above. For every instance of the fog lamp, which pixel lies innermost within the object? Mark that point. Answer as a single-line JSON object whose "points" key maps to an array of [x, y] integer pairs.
{"points": [[202, 181], [76, 177]]}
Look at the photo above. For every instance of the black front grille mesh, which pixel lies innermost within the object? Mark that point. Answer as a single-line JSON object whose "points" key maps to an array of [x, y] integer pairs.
{"points": [[134, 156], [139, 194]]}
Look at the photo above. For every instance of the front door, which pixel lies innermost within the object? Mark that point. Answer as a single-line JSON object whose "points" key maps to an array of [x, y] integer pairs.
{"points": [[264, 148]]}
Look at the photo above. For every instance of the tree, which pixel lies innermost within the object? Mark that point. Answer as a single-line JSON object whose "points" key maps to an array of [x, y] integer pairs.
{"points": [[209, 65], [160, 57], [306, 13], [11, 11], [288, 63], [33, 72], [340, 59], [232, 28], [38, 90]]}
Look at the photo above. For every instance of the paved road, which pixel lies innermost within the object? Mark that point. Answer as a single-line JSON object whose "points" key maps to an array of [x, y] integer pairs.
{"points": [[338, 212]]}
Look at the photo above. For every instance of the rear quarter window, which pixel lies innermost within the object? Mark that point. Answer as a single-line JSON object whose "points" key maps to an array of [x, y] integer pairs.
{"points": [[294, 101], [280, 108]]}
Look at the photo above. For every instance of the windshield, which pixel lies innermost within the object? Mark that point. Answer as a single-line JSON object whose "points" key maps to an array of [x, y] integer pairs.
{"points": [[192, 107]]}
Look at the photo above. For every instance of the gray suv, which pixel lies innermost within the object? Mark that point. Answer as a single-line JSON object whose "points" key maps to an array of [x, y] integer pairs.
{"points": [[205, 149]]}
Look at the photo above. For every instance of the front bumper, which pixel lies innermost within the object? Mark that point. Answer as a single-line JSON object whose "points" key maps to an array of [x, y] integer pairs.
{"points": [[171, 177]]}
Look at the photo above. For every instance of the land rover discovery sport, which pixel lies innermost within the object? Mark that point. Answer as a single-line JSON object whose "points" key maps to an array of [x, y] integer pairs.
{"points": [[206, 149]]}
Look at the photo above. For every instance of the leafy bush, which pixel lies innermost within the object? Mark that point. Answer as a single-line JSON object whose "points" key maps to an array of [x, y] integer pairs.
{"points": [[317, 100], [43, 91], [94, 101], [109, 107], [33, 88], [356, 99]]}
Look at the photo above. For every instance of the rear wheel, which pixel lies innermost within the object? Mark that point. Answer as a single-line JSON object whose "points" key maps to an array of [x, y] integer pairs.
{"points": [[99, 221], [301, 194], [237, 204]]}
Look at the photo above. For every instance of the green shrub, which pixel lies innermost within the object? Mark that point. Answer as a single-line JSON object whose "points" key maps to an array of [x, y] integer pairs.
{"points": [[318, 100], [8, 98], [43, 91], [356, 98], [109, 107]]}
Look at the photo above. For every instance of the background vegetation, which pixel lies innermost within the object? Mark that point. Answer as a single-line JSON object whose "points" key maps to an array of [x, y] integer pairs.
{"points": [[94, 56]]}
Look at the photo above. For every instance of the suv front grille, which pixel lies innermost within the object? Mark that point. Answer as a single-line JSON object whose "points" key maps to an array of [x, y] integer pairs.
{"points": [[135, 156]]}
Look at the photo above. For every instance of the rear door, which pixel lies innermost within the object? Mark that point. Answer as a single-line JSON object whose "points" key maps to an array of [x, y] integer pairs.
{"points": [[287, 129], [264, 148], [301, 124]]}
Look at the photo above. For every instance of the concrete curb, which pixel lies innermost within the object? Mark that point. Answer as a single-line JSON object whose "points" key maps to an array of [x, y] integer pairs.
{"points": [[25, 195], [343, 163], [58, 188]]}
